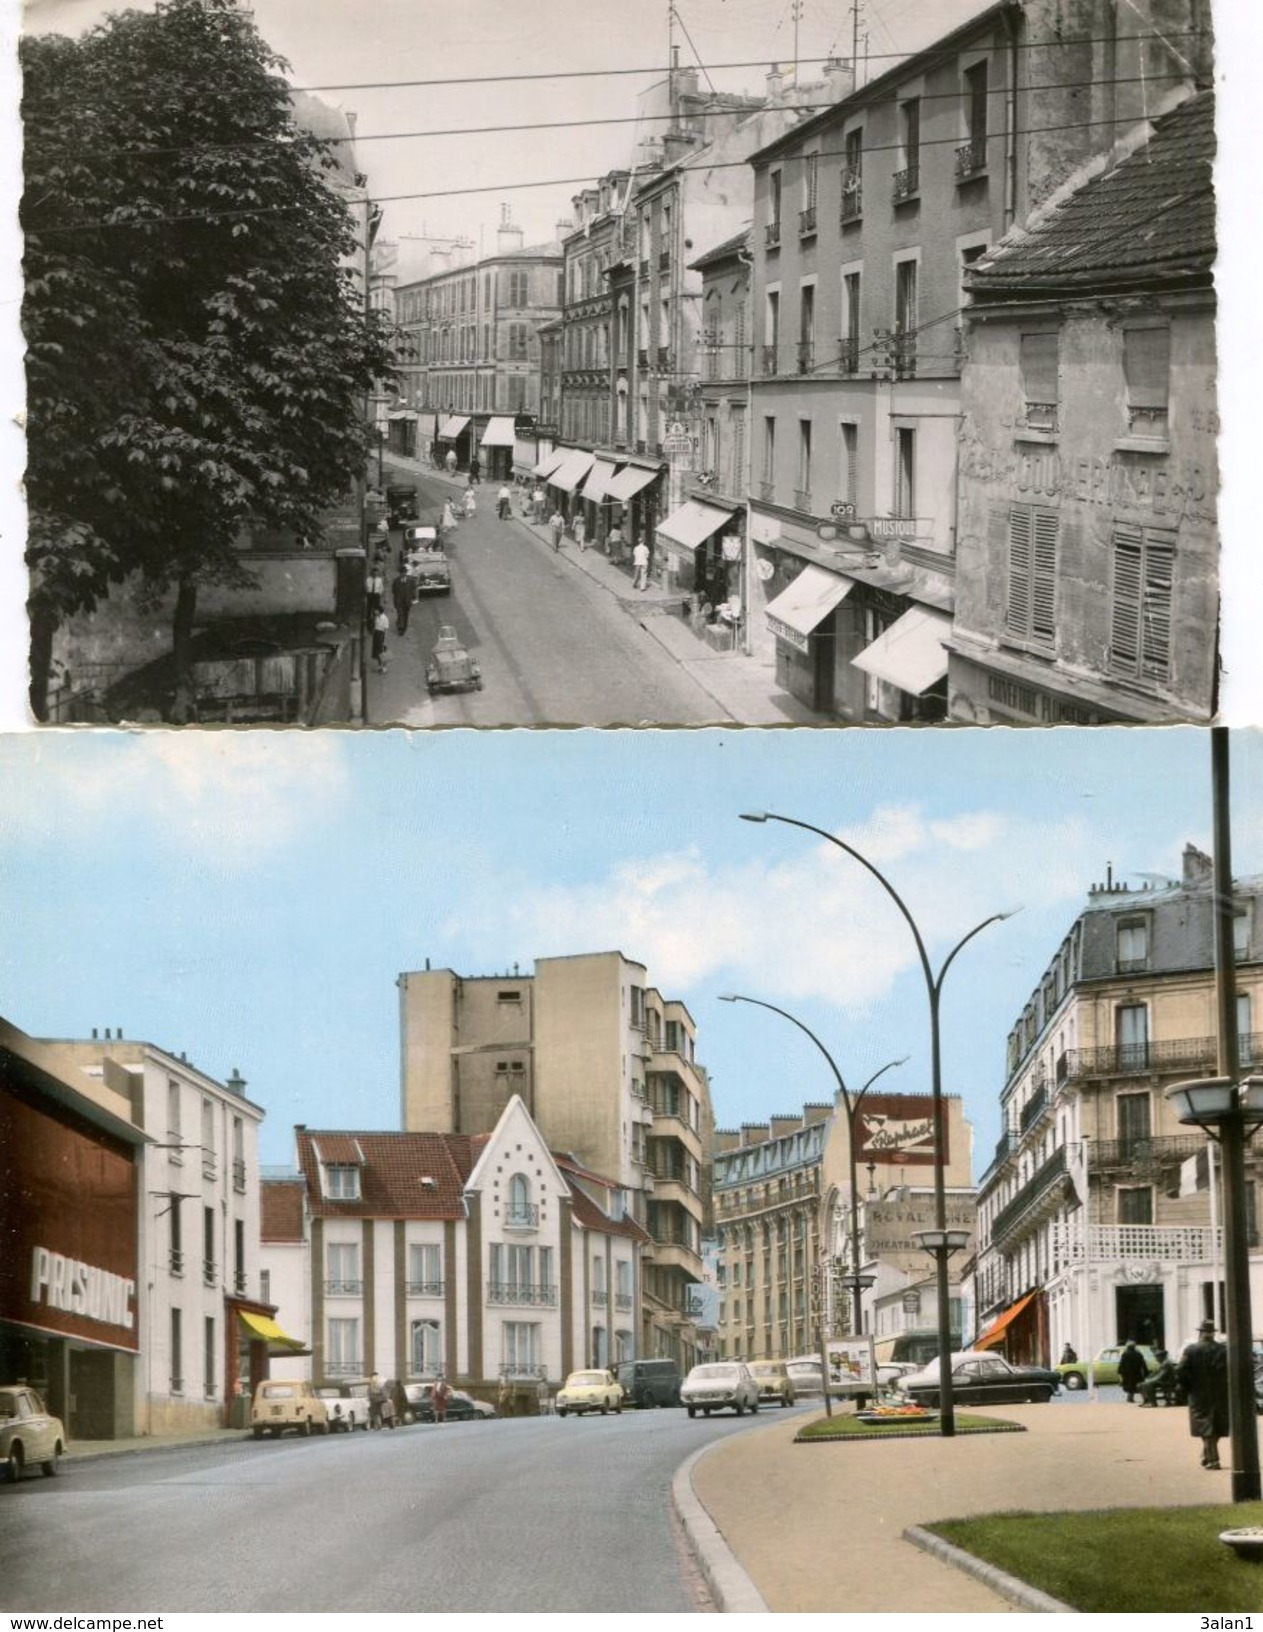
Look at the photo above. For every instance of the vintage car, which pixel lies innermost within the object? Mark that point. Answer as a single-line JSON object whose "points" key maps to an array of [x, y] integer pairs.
{"points": [[450, 667], [346, 1405], [281, 1404], [720, 1385], [772, 1376], [981, 1378], [29, 1437], [585, 1391], [425, 561], [401, 503], [1104, 1369]]}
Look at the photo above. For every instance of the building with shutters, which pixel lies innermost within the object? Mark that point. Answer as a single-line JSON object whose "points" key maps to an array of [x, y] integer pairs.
{"points": [[1088, 550], [1084, 1234]]}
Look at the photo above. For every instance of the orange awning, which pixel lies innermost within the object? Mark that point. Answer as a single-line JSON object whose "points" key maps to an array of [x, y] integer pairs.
{"points": [[997, 1329]]}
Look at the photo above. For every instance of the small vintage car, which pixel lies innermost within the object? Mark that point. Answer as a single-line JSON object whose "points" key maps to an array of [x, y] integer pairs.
{"points": [[346, 1405], [29, 1437], [425, 561], [401, 503], [585, 1391], [724, 1385], [279, 1405], [772, 1376], [450, 667]]}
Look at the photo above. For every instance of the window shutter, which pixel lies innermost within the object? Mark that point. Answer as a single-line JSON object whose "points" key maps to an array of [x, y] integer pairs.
{"points": [[1019, 568], [1044, 574], [1147, 365], [1156, 632], [1125, 615]]}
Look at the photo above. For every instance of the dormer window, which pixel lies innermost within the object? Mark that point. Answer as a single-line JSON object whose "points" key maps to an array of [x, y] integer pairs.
{"points": [[342, 1181], [1133, 946]]}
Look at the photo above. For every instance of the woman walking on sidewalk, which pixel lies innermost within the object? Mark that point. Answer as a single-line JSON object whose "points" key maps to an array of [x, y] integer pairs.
{"points": [[557, 526], [580, 532]]}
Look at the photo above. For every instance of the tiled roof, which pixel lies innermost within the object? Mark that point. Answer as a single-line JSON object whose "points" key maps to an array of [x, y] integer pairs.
{"points": [[724, 251], [1150, 219], [282, 1209], [393, 1166], [587, 1213]]}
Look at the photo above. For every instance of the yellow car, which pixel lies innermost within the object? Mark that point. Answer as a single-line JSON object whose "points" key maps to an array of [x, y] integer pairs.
{"points": [[775, 1387], [29, 1437], [589, 1391], [279, 1405]]}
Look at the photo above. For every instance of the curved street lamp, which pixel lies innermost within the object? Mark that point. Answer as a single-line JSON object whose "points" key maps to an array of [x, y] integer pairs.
{"points": [[940, 1241], [852, 1106]]}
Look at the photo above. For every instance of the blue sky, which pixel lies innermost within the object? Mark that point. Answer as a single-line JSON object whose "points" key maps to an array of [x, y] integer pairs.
{"points": [[250, 898]]}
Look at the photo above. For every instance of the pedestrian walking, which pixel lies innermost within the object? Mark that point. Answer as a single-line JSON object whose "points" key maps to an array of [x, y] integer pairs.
{"points": [[381, 623], [538, 503], [403, 592], [474, 469], [557, 526], [450, 461], [389, 1415], [640, 560], [469, 505], [1203, 1375], [580, 532], [1132, 1369], [614, 544], [504, 502], [442, 1393], [374, 590], [376, 1395], [449, 517]]}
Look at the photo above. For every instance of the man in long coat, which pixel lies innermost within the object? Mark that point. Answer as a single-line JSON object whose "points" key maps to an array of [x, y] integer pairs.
{"points": [[1132, 1369], [1203, 1373]]}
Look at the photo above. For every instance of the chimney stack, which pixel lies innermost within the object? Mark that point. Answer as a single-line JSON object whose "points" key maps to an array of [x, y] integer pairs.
{"points": [[775, 86], [839, 76]]}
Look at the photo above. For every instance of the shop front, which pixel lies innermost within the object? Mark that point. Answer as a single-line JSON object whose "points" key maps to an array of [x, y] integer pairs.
{"points": [[565, 479], [803, 619], [254, 1339], [69, 1220], [597, 505], [497, 444], [401, 432], [906, 662], [700, 545], [634, 490], [996, 687], [455, 436]]}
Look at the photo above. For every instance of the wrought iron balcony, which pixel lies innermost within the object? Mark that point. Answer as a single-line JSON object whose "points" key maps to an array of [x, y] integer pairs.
{"points": [[208, 1164], [175, 1153], [644, 266], [1151, 422], [523, 1215], [344, 1368], [344, 1289], [806, 356], [1043, 1185], [807, 222], [904, 345], [208, 1271], [424, 1289], [238, 1175], [622, 1300], [772, 234], [1188, 1054], [177, 1261], [848, 356], [1034, 1108], [852, 196], [535, 1293], [907, 183], [971, 158], [664, 359], [239, 1282], [599, 1298], [664, 259], [1163, 1150], [511, 1371]]}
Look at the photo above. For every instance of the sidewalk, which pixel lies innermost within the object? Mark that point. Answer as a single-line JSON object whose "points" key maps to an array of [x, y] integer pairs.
{"points": [[820, 1527], [743, 686]]}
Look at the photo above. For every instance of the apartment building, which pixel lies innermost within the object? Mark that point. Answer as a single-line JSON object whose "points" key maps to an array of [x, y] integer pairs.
{"points": [[867, 218], [1086, 1232], [607, 1068]]}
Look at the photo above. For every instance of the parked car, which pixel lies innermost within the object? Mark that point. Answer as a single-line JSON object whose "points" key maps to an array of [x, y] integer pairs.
{"points": [[806, 1376], [1074, 1374], [346, 1405], [981, 1378], [279, 1405], [648, 1383], [585, 1391], [461, 1407], [29, 1436], [720, 1385], [772, 1376]]}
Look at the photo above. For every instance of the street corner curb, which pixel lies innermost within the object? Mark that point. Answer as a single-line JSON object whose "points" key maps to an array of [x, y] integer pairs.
{"points": [[1007, 1586], [732, 1589]]}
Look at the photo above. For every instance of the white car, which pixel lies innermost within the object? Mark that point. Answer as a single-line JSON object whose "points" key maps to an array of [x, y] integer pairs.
{"points": [[29, 1436], [806, 1376], [720, 1385], [585, 1391]]}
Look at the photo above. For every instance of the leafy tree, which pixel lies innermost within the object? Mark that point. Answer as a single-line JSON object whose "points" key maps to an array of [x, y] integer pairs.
{"points": [[198, 350]]}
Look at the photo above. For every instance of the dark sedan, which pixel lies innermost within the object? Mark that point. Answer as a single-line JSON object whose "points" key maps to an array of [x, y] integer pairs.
{"points": [[982, 1379], [461, 1407]]}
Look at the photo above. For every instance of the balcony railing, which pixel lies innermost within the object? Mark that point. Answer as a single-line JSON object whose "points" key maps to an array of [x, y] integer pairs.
{"points": [[664, 259], [513, 1370], [424, 1289], [1034, 1108], [208, 1271], [238, 1175], [177, 1261], [1150, 1243], [772, 235], [599, 1299], [208, 1164], [806, 356], [904, 350], [907, 183], [664, 359], [239, 1282], [1045, 1180], [1163, 1150], [642, 358], [1150, 422], [644, 266], [344, 1289], [1190, 1054], [344, 1368], [176, 1152], [807, 222], [537, 1293], [849, 356], [769, 359], [971, 158], [523, 1215], [852, 196], [622, 1301], [802, 499]]}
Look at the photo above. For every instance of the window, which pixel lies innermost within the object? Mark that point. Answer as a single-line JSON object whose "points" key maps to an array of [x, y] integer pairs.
{"points": [[848, 463], [1241, 933], [1133, 947], [908, 179], [975, 111], [905, 471], [850, 358], [905, 317], [343, 1265], [342, 1358], [208, 1357], [807, 329], [238, 1155], [1131, 1022], [1040, 389], [177, 1352], [425, 1348], [519, 293], [1134, 1124], [1135, 1205], [208, 1138], [769, 450], [1245, 1036], [342, 1182], [239, 1254], [173, 1120], [774, 208], [851, 178], [177, 1244], [265, 1286], [771, 330], [1140, 611], [521, 1349], [1031, 605], [803, 496], [1147, 368], [208, 1245], [807, 215], [520, 1212], [882, 700]]}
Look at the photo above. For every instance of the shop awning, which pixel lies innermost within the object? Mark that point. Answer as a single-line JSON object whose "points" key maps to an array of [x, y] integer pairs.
{"points": [[451, 427], [499, 432], [629, 482], [911, 653], [693, 523], [805, 605], [552, 461], [598, 480], [401, 413], [278, 1342], [995, 1332], [568, 476]]}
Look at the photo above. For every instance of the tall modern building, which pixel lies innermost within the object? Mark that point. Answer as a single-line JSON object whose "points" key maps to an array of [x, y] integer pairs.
{"points": [[607, 1069], [1092, 1224]]}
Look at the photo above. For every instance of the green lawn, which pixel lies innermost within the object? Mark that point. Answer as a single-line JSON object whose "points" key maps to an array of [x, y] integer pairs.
{"points": [[844, 1426], [1142, 1560]]}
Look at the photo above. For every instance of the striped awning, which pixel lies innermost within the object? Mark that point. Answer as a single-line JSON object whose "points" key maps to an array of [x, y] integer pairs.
{"points": [[995, 1332]]}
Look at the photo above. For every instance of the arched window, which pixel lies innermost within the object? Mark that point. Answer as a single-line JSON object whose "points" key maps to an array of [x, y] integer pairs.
{"points": [[520, 1209]]}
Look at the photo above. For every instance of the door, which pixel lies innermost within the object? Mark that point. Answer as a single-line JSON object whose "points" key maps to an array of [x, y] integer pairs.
{"points": [[1132, 1037], [1134, 1129], [1139, 1314]]}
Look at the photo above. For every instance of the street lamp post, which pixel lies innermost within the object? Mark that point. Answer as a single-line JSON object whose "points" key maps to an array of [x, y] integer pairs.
{"points": [[855, 1281], [934, 988]]}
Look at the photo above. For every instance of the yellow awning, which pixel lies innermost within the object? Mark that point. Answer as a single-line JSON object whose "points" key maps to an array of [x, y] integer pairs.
{"points": [[278, 1342], [997, 1329]]}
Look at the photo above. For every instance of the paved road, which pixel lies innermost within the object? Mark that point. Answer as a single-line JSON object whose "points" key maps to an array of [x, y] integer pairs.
{"points": [[554, 647], [530, 1514]]}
